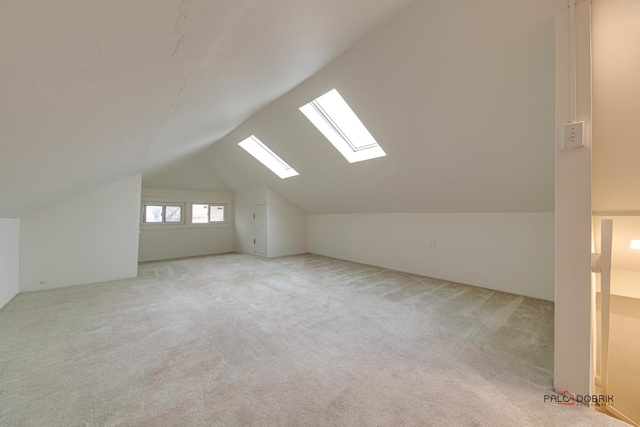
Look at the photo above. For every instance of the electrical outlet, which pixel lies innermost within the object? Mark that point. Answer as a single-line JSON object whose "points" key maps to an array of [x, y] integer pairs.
{"points": [[573, 135], [432, 241]]}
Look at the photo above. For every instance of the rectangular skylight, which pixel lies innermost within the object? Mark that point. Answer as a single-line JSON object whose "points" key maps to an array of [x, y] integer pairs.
{"points": [[264, 155], [331, 114]]}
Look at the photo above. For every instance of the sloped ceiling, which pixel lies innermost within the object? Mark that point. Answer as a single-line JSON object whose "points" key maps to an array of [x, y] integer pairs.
{"points": [[92, 91], [460, 94]]}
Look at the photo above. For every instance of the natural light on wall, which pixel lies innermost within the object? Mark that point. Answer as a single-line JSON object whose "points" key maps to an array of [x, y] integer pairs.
{"points": [[635, 244], [339, 124], [264, 155]]}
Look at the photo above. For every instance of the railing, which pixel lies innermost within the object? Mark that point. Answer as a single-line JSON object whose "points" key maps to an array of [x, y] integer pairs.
{"points": [[601, 263]]}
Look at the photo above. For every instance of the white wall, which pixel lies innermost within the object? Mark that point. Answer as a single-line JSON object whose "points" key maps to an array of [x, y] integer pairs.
{"points": [[627, 284], [574, 290], [286, 227], [9, 254], [624, 354], [616, 177], [286, 223], [616, 105], [509, 252], [87, 239], [193, 174], [176, 241]]}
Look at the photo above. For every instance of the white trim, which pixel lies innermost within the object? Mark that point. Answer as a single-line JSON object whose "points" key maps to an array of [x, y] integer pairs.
{"points": [[145, 203], [267, 157], [209, 223], [169, 197], [335, 119], [616, 413]]}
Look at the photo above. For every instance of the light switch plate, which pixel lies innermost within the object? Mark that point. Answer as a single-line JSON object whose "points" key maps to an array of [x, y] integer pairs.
{"points": [[573, 135]]}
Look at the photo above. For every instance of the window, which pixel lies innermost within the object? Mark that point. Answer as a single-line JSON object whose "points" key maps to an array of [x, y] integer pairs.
{"points": [[331, 114], [264, 155], [160, 213], [205, 213]]}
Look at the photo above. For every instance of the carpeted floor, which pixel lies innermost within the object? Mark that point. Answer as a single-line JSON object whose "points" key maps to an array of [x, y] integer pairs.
{"points": [[235, 340]]}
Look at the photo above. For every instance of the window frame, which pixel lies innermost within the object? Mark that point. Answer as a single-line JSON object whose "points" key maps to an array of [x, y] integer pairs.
{"points": [[164, 221], [151, 196], [209, 223], [267, 157], [334, 118]]}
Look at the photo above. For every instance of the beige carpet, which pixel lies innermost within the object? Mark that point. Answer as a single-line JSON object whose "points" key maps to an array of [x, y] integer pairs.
{"points": [[235, 340]]}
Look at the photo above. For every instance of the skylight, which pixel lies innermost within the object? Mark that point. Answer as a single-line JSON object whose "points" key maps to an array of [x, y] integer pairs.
{"points": [[264, 155], [331, 114]]}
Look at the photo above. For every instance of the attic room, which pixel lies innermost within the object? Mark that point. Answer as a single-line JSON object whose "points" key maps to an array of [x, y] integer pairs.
{"points": [[182, 243]]}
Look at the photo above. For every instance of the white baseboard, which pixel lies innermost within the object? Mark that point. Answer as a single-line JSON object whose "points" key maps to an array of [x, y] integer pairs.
{"points": [[622, 416]]}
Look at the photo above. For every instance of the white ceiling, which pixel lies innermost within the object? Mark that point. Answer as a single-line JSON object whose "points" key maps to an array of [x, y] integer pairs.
{"points": [[92, 91], [460, 95]]}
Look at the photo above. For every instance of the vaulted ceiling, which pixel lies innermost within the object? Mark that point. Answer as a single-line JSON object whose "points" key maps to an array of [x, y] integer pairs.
{"points": [[92, 91], [460, 95]]}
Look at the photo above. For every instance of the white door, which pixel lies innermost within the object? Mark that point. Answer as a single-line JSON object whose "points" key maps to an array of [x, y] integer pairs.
{"points": [[260, 229]]}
